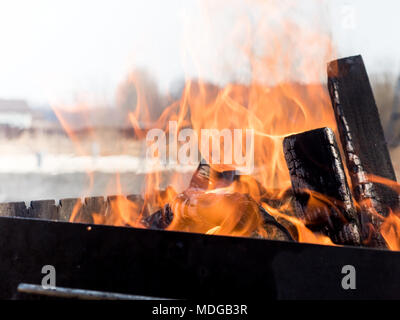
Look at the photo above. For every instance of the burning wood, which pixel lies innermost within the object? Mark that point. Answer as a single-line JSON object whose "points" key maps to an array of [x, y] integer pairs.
{"points": [[323, 198], [211, 205], [160, 219], [363, 142], [218, 213], [319, 206], [205, 178], [67, 207]]}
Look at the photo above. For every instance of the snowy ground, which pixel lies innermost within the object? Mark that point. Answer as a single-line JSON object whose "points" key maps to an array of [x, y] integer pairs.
{"points": [[26, 177], [64, 163], [30, 176]]}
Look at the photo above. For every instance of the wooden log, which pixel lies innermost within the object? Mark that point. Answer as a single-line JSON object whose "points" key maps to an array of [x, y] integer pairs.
{"points": [[160, 219], [360, 130], [207, 178], [362, 138], [316, 168], [277, 229], [67, 207], [13, 209], [43, 209]]}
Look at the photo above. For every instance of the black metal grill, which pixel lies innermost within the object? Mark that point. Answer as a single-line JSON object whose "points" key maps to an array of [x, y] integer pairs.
{"points": [[184, 265]]}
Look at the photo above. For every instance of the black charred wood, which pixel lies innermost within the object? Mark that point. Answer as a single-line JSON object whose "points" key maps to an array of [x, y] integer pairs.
{"points": [[92, 205], [160, 219], [363, 142], [111, 204], [315, 166], [67, 207], [207, 178], [13, 209], [361, 131], [136, 199], [43, 209], [272, 225]]}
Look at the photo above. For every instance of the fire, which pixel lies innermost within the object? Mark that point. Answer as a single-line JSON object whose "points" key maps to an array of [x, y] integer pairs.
{"points": [[390, 230], [216, 213], [282, 94], [303, 233]]}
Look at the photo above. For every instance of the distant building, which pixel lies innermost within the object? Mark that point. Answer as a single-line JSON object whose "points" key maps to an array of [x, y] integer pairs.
{"points": [[15, 113]]}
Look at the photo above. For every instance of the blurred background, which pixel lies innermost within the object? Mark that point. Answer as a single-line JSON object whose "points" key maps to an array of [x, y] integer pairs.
{"points": [[72, 71]]}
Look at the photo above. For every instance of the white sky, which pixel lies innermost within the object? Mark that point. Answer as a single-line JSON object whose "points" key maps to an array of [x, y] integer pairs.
{"points": [[56, 49], [373, 34]]}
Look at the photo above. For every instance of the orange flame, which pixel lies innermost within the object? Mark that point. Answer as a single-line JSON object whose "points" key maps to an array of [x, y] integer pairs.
{"points": [[390, 231], [279, 93]]}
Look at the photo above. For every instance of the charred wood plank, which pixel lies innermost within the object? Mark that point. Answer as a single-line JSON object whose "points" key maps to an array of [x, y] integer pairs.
{"points": [[206, 178], [160, 219], [361, 131], [92, 205], [13, 209], [316, 170], [362, 139], [133, 199], [136, 199], [276, 229], [43, 209], [112, 204], [69, 207], [118, 211], [156, 200]]}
